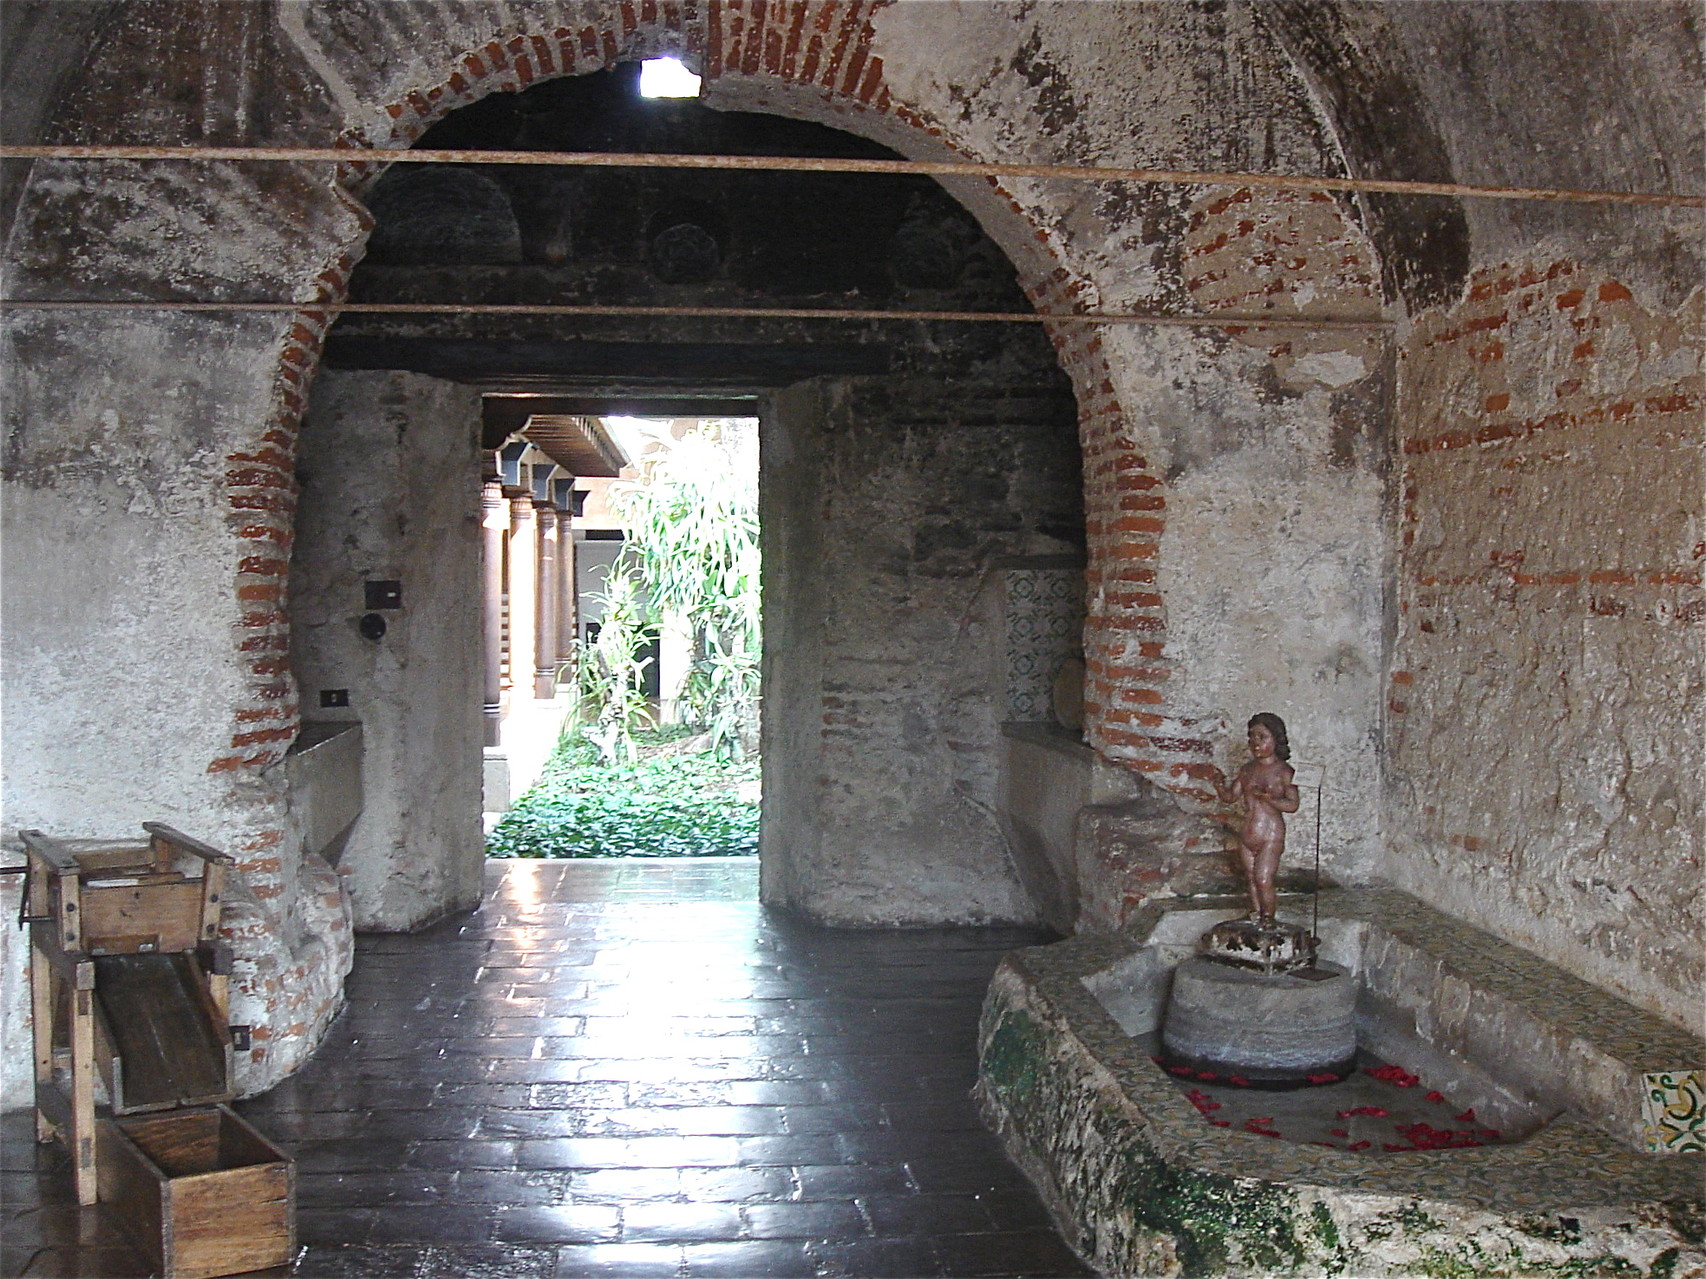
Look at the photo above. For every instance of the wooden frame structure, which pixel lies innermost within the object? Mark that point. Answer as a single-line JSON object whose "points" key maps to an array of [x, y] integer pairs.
{"points": [[93, 913]]}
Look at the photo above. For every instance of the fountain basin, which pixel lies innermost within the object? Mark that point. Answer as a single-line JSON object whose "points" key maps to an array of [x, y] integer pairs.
{"points": [[1600, 1169]]}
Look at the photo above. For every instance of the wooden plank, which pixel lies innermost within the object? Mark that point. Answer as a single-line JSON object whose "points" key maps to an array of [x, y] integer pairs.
{"points": [[242, 1143], [134, 1190], [232, 1220], [227, 1194], [166, 1029], [183, 1143], [163, 833], [82, 1134], [41, 1030], [107, 1060], [219, 991], [130, 876], [170, 910], [50, 851], [212, 898], [108, 861], [68, 895]]}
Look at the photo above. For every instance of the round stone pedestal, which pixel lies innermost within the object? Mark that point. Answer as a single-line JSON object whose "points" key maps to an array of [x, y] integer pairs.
{"points": [[1274, 1030]]}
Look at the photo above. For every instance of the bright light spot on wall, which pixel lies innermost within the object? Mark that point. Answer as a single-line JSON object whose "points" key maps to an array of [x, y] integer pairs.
{"points": [[667, 78]]}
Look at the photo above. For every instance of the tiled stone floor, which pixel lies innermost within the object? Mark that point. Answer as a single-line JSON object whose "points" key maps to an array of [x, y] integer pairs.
{"points": [[627, 1069]]}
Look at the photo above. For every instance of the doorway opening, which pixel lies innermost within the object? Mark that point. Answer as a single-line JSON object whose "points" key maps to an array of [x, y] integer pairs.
{"points": [[910, 471], [653, 727]]}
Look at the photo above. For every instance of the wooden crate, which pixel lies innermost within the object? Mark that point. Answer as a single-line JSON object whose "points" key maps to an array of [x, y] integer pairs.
{"points": [[201, 1191]]}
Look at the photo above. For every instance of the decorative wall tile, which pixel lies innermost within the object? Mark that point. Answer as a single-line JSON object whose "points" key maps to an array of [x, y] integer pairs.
{"points": [[1674, 1102], [1045, 626]]}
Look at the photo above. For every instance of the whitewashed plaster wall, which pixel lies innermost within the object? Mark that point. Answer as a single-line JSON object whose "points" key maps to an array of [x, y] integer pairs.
{"points": [[390, 470]]}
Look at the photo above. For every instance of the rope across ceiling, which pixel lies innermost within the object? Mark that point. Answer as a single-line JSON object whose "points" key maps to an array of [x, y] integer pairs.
{"points": [[798, 164]]}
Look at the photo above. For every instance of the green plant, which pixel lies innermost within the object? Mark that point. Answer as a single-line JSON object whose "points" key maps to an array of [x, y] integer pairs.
{"points": [[692, 523], [611, 671], [674, 806]]}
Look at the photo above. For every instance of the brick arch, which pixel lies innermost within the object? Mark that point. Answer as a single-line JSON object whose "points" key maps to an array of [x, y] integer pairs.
{"points": [[813, 54]]}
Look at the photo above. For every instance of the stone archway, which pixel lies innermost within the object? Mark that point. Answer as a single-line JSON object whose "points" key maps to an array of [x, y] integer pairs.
{"points": [[811, 60], [286, 233]]}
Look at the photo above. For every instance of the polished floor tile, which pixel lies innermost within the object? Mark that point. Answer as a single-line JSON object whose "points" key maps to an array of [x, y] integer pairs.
{"points": [[627, 1069]]}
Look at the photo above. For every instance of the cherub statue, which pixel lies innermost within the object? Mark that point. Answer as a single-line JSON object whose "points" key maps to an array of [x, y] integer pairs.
{"points": [[1265, 786]]}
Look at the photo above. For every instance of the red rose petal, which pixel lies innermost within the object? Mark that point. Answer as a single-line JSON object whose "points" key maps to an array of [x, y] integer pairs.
{"points": [[1238, 1081], [1221, 1123], [1358, 1145], [1491, 1134], [1337, 1132], [1467, 1117], [1180, 1070], [1436, 1097]]}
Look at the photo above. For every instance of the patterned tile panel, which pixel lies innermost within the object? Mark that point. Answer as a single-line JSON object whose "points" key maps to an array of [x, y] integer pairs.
{"points": [[1045, 625], [1675, 1107]]}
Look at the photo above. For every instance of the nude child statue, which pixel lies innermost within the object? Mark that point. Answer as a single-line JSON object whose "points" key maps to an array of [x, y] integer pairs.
{"points": [[1265, 786]]}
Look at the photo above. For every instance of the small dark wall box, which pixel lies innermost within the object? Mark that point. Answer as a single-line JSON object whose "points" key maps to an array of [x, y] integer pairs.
{"points": [[386, 594]]}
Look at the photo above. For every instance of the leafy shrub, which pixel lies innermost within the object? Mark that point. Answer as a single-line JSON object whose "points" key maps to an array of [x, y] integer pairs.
{"points": [[674, 806], [692, 523]]}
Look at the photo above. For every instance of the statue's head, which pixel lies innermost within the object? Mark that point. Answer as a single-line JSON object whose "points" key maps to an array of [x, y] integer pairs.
{"points": [[1275, 725]]}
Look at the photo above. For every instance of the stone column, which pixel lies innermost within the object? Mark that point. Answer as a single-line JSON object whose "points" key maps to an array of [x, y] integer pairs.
{"points": [[568, 601], [523, 604], [494, 527], [545, 636]]}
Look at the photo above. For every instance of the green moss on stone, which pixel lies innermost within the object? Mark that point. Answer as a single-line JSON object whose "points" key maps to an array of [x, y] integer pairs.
{"points": [[1560, 1230], [1413, 1220], [1215, 1220], [1326, 1230], [1013, 1055], [1687, 1217], [1601, 1267], [1472, 1263]]}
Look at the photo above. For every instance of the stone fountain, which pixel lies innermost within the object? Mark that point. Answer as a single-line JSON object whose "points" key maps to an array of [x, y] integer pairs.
{"points": [[1257, 1004], [1123, 1071]]}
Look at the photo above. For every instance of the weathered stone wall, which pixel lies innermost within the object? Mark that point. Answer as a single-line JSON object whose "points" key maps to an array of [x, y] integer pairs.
{"points": [[1545, 708], [1550, 621], [121, 410], [1274, 456], [143, 543], [887, 507], [389, 468]]}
